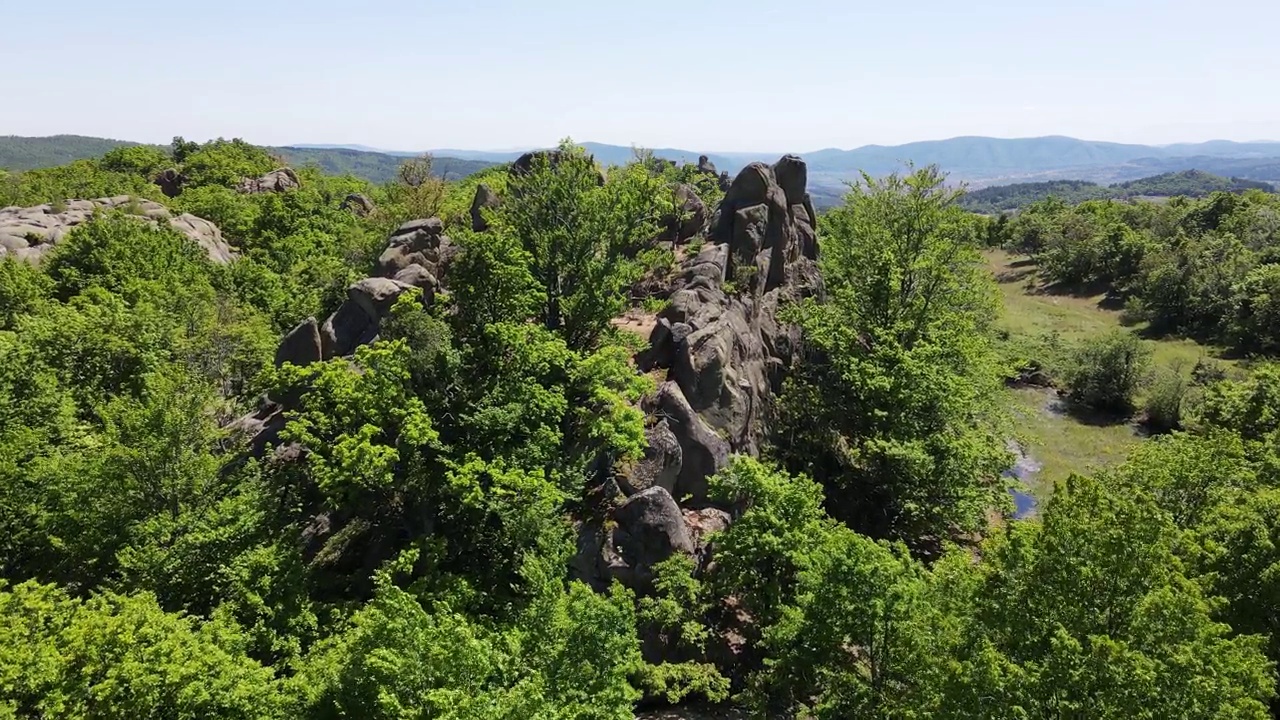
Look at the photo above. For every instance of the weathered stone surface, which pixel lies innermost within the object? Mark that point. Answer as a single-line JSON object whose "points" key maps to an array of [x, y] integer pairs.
{"points": [[28, 233], [702, 450], [417, 242], [279, 180], [689, 218], [376, 295], [418, 277], [301, 346], [660, 466], [349, 327], [719, 337], [706, 167], [357, 203], [485, 199], [259, 429], [702, 523], [650, 528]]}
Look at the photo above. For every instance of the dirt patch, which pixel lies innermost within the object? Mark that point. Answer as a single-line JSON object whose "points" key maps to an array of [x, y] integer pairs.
{"points": [[637, 322]]}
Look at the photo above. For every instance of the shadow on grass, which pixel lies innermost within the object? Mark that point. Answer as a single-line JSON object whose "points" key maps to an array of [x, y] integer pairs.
{"points": [[1013, 276], [1063, 407], [1076, 290]]}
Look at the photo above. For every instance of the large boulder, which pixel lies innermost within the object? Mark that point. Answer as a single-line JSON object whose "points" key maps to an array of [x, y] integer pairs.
{"points": [[660, 466], [29, 232], [280, 180], [649, 529], [485, 199], [706, 167], [358, 204], [702, 450], [358, 320], [302, 346], [689, 216], [376, 295]]}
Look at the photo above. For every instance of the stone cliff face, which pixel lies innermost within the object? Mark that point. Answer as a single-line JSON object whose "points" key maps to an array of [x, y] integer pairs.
{"points": [[724, 355]]}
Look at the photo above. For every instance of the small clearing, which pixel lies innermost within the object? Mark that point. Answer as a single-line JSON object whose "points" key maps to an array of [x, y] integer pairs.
{"points": [[1065, 443]]}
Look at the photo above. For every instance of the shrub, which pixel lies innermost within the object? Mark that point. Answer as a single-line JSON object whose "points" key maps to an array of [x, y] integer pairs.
{"points": [[1164, 401], [1105, 373]]}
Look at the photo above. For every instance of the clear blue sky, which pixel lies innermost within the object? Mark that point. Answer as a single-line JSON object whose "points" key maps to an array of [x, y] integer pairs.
{"points": [[744, 75]]}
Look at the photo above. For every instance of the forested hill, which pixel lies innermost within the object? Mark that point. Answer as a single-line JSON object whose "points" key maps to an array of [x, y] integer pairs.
{"points": [[560, 441], [374, 166], [1190, 183], [28, 153]]}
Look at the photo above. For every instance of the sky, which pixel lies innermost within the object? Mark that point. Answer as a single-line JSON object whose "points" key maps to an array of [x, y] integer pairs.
{"points": [[743, 75]]}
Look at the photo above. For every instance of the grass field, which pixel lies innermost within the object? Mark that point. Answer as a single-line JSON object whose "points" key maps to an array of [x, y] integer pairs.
{"points": [[1061, 443]]}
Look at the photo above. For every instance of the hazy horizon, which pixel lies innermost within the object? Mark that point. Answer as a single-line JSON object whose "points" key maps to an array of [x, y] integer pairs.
{"points": [[747, 76]]}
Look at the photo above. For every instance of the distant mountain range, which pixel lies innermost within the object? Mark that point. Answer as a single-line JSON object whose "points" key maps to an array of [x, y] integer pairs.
{"points": [[26, 153], [978, 161], [1191, 183]]}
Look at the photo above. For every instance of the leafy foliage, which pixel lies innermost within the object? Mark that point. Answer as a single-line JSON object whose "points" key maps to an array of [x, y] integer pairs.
{"points": [[406, 549], [1105, 373], [906, 326]]}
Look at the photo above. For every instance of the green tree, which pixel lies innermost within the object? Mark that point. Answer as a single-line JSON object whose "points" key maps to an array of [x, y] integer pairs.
{"points": [[117, 656], [580, 235], [1090, 615], [143, 160], [1106, 372], [906, 326]]}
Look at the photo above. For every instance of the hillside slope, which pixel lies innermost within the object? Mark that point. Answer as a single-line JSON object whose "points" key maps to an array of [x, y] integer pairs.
{"points": [[1191, 183]]}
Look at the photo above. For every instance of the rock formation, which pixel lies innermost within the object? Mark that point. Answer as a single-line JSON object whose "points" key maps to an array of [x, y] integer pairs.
{"points": [[725, 355], [417, 255], [280, 180], [357, 203], [485, 199], [28, 233], [170, 182], [689, 218]]}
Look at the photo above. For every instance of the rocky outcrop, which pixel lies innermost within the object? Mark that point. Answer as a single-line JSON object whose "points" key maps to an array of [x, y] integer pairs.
{"points": [[485, 199], [280, 180], [649, 529], [28, 233], [689, 217], [719, 338], [417, 255], [706, 167], [301, 346], [725, 355], [358, 204], [170, 182], [660, 466]]}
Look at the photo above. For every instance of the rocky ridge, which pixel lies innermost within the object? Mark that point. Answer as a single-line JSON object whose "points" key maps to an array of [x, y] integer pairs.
{"points": [[28, 233], [723, 354]]}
